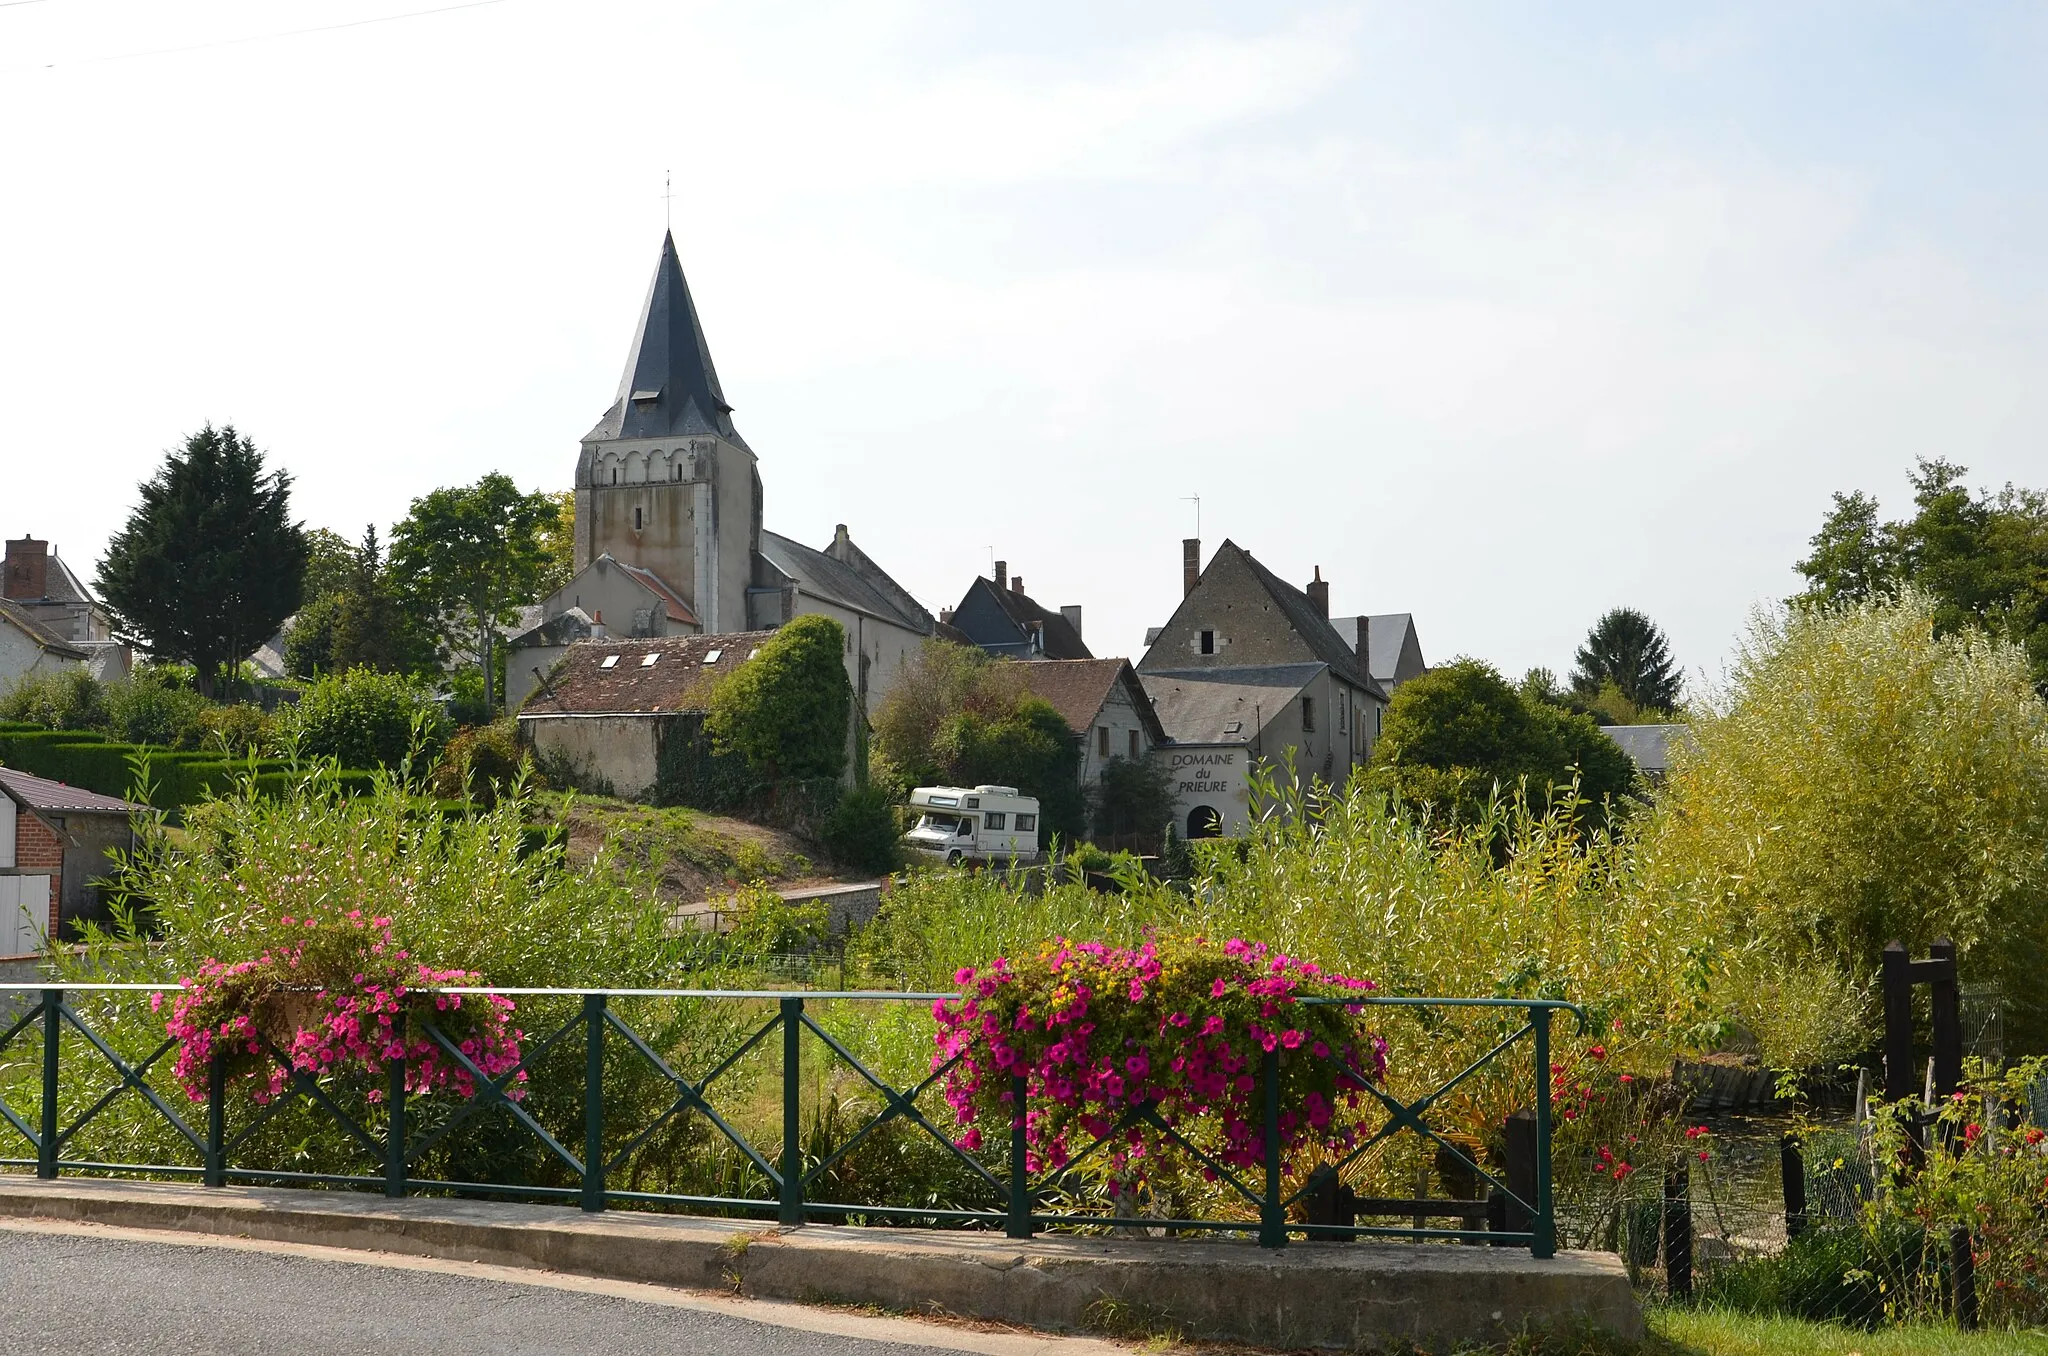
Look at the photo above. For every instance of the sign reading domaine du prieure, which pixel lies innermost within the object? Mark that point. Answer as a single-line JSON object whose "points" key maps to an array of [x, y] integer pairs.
{"points": [[1213, 777]]}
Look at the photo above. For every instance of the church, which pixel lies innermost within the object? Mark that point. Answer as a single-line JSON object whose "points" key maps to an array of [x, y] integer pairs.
{"points": [[669, 535]]}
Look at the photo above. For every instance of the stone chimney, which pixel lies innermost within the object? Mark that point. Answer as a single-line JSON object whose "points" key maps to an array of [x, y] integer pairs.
{"points": [[1190, 565], [1072, 612], [842, 544], [28, 569], [1002, 574], [597, 631], [1319, 594]]}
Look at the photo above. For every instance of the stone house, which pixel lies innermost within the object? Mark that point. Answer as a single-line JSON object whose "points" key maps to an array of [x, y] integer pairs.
{"points": [[28, 648], [54, 845], [1386, 645], [609, 707], [1103, 704], [1249, 671], [40, 586], [1000, 617]]}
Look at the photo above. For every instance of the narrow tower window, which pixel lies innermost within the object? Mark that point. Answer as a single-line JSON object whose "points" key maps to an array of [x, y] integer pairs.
{"points": [[636, 517]]}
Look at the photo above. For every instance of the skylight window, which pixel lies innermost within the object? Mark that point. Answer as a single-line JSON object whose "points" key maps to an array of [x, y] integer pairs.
{"points": [[1234, 727], [647, 660], [611, 661], [751, 653], [712, 658]]}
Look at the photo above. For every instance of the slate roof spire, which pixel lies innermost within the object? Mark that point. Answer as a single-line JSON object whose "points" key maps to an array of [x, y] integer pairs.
{"points": [[669, 386]]}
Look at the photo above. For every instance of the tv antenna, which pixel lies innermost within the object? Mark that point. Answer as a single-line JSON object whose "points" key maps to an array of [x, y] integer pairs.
{"points": [[1197, 501]]}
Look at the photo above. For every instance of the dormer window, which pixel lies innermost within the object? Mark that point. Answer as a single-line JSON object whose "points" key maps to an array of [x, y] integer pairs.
{"points": [[647, 660]]}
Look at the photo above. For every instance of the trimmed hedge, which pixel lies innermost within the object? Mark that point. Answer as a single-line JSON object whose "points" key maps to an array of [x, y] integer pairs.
{"points": [[179, 777]]}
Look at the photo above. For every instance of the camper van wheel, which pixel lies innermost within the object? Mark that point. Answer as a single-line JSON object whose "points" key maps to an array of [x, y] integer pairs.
{"points": [[953, 857]]}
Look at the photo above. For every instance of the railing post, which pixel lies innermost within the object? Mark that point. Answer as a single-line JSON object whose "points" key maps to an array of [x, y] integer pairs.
{"points": [[46, 1140], [593, 1101], [394, 1094], [792, 1209], [1272, 1215], [1020, 1175], [1544, 1226], [1678, 1230], [216, 1117]]}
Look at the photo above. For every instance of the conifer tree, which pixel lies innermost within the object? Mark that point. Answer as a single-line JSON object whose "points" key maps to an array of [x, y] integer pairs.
{"points": [[210, 562], [1629, 650]]}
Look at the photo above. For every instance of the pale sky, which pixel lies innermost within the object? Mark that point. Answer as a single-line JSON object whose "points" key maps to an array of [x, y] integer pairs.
{"points": [[1501, 314]]}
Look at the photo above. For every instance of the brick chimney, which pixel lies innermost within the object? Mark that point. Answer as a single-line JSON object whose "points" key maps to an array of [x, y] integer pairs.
{"points": [[1002, 574], [945, 616], [28, 569], [1190, 564], [1016, 583], [1319, 594]]}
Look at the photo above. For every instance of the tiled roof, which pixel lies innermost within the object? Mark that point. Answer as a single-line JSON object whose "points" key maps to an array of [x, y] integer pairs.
{"points": [[681, 676], [1062, 641], [40, 793], [1316, 630], [1199, 706], [42, 635], [1077, 688], [62, 586], [836, 580]]}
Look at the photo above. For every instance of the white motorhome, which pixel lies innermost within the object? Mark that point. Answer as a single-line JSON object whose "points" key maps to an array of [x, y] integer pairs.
{"points": [[958, 824]]}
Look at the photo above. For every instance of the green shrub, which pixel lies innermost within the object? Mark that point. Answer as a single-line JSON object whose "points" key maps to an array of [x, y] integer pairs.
{"points": [[786, 709], [862, 832], [150, 707], [240, 729], [68, 699], [479, 762], [764, 923], [365, 719]]}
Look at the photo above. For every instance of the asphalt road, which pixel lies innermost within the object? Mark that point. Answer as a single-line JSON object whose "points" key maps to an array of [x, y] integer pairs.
{"points": [[65, 1294]]}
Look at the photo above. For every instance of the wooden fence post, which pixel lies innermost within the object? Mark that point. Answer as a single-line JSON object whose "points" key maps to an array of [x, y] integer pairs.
{"points": [[1792, 1168], [1678, 1231]]}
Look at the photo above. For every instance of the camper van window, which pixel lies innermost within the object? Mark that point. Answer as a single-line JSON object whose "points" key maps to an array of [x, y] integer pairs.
{"points": [[994, 819], [966, 829], [942, 823], [974, 802], [1027, 823], [945, 800]]}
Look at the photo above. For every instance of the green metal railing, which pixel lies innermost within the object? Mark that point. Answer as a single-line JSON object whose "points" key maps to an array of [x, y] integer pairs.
{"points": [[1021, 1196]]}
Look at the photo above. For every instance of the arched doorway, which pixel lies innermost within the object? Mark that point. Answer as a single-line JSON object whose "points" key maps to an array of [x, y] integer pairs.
{"points": [[1204, 822]]}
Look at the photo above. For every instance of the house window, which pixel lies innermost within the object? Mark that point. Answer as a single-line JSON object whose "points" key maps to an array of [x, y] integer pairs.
{"points": [[1027, 823], [994, 819], [1134, 745], [1308, 715], [1208, 642], [1343, 713], [1102, 740], [615, 475]]}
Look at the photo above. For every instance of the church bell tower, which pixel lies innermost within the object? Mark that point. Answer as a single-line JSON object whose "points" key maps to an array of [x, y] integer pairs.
{"points": [[665, 482]]}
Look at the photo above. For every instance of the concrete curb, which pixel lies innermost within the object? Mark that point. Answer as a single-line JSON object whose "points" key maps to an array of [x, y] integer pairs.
{"points": [[1343, 1296]]}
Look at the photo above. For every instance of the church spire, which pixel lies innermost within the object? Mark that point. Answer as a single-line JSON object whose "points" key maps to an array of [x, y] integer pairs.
{"points": [[669, 386]]}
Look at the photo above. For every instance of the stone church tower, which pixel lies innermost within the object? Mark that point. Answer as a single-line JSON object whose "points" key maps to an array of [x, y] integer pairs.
{"points": [[664, 482]]}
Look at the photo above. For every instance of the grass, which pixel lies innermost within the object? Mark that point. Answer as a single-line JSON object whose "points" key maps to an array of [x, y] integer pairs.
{"points": [[1719, 1332]]}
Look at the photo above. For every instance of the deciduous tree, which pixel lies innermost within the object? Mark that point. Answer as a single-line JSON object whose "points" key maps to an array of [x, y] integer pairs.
{"points": [[467, 557]]}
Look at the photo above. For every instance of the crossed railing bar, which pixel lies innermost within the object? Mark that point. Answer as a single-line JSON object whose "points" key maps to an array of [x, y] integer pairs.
{"points": [[1017, 1196]]}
